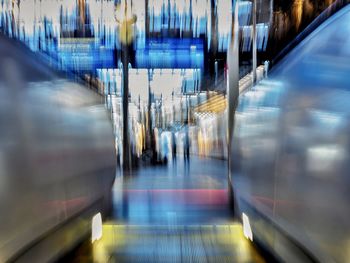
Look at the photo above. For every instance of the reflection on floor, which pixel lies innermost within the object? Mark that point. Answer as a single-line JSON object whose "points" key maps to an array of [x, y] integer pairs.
{"points": [[171, 213], [174, 194]]}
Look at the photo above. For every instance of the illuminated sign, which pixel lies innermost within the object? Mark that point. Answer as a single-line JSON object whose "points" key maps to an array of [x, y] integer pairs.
{"points": [[84, 54], [171, 53]]}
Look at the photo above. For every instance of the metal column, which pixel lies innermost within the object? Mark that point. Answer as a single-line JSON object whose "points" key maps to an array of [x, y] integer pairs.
{"points": [[254, 43], [126, 139], [232, 89]]}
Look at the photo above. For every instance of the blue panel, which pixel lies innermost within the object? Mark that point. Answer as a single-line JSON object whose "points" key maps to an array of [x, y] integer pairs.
{"points": [[85, 56], [171, 53]]}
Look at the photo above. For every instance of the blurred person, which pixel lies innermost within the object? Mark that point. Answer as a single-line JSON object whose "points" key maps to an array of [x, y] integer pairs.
{"points": [[266, 67], [164, 141], [225, 70], [216, 66], [173, 146], [187, 146], [156, 143]]}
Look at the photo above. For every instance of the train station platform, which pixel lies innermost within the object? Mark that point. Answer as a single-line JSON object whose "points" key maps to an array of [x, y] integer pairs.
{"points": [[65, 198]]}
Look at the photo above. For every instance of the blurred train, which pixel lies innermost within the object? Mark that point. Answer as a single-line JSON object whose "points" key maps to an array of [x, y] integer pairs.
{"points": [[291, 150], [57, 158]]}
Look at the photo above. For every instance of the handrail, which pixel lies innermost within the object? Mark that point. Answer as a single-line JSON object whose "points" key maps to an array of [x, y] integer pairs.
{"points": [[303, 249]]}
